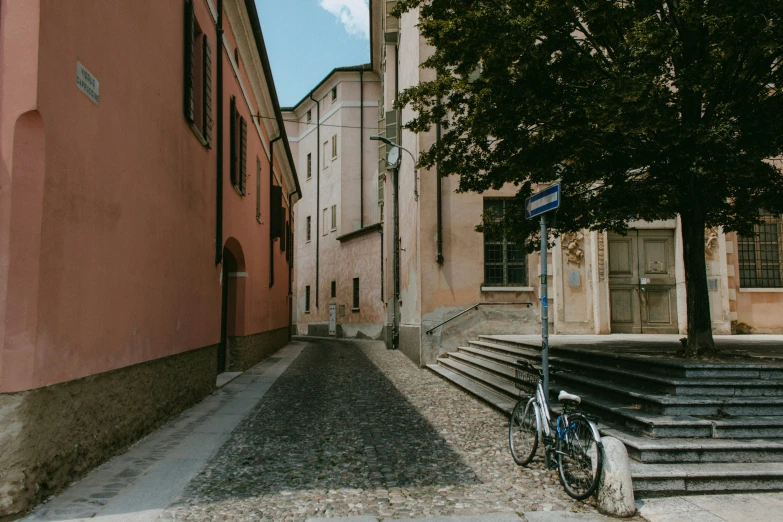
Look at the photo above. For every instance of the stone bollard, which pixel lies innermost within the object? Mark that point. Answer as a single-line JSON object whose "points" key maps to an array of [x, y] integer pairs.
{"points": [[615, 492]]}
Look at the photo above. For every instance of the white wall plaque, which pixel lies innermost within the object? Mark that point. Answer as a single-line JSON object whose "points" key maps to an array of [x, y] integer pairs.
{"points": [[87, 83]]}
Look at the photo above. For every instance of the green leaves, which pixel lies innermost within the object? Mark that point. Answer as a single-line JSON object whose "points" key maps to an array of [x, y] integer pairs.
{"points": [[653, 105]]}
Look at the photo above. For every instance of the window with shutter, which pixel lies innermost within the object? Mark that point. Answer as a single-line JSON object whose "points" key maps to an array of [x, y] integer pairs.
{"points": [[242, 155], [207, 90], [258, 189], [190, 48], [232, 140], [334, 146]]}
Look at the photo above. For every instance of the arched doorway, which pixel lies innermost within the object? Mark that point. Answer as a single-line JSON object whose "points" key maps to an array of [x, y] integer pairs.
{"points": [[232, 308]]}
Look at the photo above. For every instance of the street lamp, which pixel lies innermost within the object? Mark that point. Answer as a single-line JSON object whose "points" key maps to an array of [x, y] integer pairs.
{"points": [[393, 159], [390, 143]]}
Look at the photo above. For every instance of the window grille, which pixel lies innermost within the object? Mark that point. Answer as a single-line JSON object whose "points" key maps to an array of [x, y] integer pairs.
{"points": [[760, 254], [355, 293], [307, 299], [505, 262]]}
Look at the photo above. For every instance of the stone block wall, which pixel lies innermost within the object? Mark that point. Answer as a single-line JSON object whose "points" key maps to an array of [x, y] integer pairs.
{"points": [[52, 435], [246, 351]]}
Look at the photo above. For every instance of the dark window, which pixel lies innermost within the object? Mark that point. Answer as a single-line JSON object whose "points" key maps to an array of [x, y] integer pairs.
{"points": [[198, 77], [760, 254], [505, 262], [355, 293], [238, 146], [258, 189], [309, 165], [309, 227], [334, 288], [309, 116], [307, 299], [334, 93], [284, 235]]}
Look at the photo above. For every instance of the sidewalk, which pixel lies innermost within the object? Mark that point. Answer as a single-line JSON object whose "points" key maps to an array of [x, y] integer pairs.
{"points": [[138, 485]]}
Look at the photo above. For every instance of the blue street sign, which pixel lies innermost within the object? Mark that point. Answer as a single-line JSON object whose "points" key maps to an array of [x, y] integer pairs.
{"points": [[544, 201]]}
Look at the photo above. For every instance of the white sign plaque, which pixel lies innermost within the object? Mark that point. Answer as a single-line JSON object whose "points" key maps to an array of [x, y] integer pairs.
{"points": [[87, 83]]}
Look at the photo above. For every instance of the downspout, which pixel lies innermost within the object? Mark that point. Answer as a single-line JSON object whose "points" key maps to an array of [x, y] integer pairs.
{"points": [[439, 259], [290, 266], [219, 137], [317, 192], [271, 239], [361, 148]]}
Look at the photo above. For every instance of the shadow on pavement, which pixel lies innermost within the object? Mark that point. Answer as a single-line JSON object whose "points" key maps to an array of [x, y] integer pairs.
{"points": [[332, 420]]}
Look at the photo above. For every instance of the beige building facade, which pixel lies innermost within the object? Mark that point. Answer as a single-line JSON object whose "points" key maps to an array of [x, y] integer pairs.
{"points": [[599, 282], [338, 236]]}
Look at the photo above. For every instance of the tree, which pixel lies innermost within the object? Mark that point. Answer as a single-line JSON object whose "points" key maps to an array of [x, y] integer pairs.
{"points": [[643, 109]]}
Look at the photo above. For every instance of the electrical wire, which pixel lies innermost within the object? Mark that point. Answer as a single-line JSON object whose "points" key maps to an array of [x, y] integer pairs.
{"points": [[322, 125]]}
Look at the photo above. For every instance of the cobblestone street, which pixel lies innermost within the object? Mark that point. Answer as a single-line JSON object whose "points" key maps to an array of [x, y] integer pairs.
{"points": [[353, 429]]}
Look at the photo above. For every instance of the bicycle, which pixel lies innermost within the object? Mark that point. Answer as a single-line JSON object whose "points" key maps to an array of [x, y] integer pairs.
{"points": [[572, 438]]}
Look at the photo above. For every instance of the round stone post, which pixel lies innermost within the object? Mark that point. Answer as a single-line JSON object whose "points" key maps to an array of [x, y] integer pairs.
{"points": [[615, 493]]}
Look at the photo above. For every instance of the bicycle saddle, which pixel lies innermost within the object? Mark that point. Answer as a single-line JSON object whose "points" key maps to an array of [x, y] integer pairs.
{"points": [[565, 396]]}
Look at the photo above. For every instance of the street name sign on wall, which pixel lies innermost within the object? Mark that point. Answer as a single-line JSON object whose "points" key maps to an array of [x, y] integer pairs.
{"points": [[87, 83], [544, 201]]}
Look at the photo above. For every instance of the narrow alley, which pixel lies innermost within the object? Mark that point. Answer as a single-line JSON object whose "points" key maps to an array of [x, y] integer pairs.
{"points": [[321, 429]]}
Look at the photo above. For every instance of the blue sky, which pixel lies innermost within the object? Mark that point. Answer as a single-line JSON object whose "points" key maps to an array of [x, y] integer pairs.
{"points": [[306, 39]]}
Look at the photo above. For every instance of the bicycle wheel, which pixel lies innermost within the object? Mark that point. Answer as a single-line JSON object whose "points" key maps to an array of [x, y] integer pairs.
{"points": [[523, 432], [580, 459]]}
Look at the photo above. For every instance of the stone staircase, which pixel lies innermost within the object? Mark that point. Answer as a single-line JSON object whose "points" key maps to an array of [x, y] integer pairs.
{"points": [[689, 427]]}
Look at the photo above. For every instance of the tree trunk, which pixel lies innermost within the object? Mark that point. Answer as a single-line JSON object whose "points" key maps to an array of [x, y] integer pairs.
{"points": [[700, 341]]}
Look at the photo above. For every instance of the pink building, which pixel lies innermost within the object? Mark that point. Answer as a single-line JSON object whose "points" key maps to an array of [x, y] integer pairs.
{"points": [[338, 274], [146, 188]]}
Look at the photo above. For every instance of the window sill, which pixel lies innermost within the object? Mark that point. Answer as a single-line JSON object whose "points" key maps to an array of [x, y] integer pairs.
{"points": [[354, 309], [258, 218], [334, 158], [507, 289], [307, 312], [198, 134], [761, 290], [241, 194]]}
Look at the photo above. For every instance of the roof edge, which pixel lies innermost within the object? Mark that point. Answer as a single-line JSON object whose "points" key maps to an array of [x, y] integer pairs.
{"points": [[366, 67], [255, 23]]}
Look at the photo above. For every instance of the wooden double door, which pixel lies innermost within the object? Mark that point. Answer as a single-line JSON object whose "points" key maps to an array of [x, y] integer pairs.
{"points": [[642, 286]]}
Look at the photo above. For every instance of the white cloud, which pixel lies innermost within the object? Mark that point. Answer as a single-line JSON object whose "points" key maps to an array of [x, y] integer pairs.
{"points": [[353, 14]]}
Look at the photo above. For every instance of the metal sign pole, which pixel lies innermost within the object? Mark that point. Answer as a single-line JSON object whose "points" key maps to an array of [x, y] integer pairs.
{"points": [[544, 310]]}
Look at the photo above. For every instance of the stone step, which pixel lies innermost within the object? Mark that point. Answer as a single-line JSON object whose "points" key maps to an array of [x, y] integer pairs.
{"points": [[650, 450], [672, 404], [490, 380], [677, 479], [496, 400], [644, 381], [648, 364], [501, 366]]}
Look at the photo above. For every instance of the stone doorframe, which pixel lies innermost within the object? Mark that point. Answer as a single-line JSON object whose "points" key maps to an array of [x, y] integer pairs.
{"points": [[594, 271]]}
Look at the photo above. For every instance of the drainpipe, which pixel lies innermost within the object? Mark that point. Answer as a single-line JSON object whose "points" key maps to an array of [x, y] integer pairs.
{"points": [[361, 148], [439, 259], [290, 267], [317, 193], [219, 137], [271, 183]]}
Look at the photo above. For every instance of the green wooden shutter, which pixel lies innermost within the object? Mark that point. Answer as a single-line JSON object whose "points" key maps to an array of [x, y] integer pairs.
{"points": [[242, 155], [207, 91], [233, 141], [190, 34]]}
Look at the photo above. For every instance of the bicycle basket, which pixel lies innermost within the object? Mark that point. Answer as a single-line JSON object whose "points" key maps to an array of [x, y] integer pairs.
{"points": [[525, 380]]}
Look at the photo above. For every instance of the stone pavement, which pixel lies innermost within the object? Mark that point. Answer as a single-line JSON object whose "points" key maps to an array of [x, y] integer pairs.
{"points": [[324, 429], [713, 508]]}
